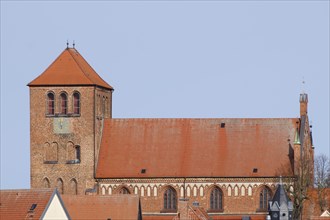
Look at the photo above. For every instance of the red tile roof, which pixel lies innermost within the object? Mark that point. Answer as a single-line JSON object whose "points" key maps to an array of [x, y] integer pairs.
{"points": [[102, 207], [194, 147], [70, 68], [16, 204]]}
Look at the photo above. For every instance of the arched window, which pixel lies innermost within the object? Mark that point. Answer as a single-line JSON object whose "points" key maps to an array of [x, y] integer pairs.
{"points": [[64, 104], [46, 183], [73, 187], [59, 186], [76, 103], [170, 200], [50, 103], [73, 153], [124, 190], [51, 152], [264, 197], [216, 199]]}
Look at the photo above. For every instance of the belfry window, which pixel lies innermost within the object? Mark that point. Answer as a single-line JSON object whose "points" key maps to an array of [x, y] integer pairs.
{"points": [[264, 197], [50, 104], [64, 104], [170, 200], [216, 199], [76, 103]]}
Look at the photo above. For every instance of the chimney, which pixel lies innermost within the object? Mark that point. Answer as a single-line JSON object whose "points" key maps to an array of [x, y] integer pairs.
{"points": [[303, 104]]}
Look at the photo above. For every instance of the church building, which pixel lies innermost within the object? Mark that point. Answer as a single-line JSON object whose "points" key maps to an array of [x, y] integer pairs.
{"points": [[229, 167]]}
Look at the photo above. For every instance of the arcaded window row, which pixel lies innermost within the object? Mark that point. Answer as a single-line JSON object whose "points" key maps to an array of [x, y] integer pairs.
{"points": [[52, 151], [62, 104], [72, 187], [170, 198]]}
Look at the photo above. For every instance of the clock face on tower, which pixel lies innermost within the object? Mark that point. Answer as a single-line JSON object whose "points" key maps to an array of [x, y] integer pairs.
{"points": [[62, 125]]}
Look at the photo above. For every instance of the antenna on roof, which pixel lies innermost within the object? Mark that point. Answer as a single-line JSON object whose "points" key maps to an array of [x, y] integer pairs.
{"points": [[67, 44], [73, 44]]}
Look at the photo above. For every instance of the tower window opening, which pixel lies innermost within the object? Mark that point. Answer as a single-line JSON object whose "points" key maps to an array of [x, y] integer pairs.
{"points": [[76, 103], [50, 104], [64, 104]]}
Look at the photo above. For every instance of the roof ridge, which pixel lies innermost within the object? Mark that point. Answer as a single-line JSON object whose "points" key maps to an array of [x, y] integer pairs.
{"points": [[79, 65], [85, 72]]}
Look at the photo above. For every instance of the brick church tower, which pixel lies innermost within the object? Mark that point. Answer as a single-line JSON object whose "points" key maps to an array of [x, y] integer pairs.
{"points": [[68, 104]]}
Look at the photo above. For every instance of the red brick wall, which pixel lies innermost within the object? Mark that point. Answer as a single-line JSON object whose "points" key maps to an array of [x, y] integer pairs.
{"points": [[83, 131]]}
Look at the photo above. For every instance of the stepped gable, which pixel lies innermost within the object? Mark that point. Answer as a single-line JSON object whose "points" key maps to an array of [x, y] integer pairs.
{"points": [[69, 69], [149, 148], [17, 204]]}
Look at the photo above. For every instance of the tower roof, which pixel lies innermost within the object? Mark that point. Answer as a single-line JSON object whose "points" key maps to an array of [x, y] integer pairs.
{"points": [[281, 196], [70, 68]]}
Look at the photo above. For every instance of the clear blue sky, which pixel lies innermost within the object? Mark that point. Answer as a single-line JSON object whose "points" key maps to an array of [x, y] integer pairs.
{"points": [[169, 59]]}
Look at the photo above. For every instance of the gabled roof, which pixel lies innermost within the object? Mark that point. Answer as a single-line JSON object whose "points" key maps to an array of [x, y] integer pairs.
{"points": [[69, 69], [102, 207], [19, 204], [195, 147]]}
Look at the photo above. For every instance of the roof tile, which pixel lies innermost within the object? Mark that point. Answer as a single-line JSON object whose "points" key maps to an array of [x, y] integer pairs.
{"points": [[194, 147], [70, 68]]}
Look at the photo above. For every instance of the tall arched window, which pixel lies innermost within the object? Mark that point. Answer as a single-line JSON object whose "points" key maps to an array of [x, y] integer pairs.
{"points": [[76, 103], [170, 200], [46, 183], [73, 187], [264, 197], [64, 104], [50, 103], [59, 186], [216, 199], [51, 152], [124, 190]]}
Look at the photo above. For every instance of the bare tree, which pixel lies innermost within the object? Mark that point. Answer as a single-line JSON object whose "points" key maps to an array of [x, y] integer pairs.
{"points": [[322, 178]]}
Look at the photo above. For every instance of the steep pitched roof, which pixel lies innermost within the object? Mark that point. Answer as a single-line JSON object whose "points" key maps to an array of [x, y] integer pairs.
{"points": [[281, 197], [194, 147], [102, 207], [16, 204], [69, 68]]}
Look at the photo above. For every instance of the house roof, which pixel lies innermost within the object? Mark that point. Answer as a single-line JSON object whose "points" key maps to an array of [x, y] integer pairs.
{"points": [[69, 69], [195, 147], [102, 207], [16, 204]]}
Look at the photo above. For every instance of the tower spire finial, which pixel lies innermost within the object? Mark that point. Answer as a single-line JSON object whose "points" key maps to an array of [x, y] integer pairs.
{"points": [[73, 44], [303, 85], [67, 44]]}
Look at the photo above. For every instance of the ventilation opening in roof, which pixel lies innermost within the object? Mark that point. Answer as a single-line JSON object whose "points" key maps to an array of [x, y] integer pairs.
{"points": [[222, 125], [143, 170], [255, 170]]}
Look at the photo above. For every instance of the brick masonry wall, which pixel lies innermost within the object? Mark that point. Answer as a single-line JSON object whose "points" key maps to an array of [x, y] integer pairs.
{"points": [[244, 200], [81, 130]]}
